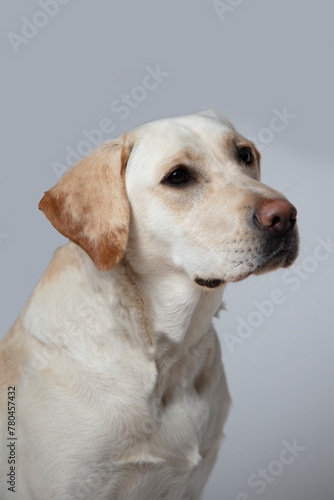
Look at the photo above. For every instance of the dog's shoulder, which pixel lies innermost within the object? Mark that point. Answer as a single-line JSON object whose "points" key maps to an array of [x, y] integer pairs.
{"points": [[12, 352], [65, 259], [15, 346]]}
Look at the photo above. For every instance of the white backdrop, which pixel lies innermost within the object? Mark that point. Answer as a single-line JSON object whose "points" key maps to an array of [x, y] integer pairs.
{"points": [[69, 67]]}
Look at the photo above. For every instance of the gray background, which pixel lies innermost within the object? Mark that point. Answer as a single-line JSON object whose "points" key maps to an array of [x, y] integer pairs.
{"points": [[260, 56]]}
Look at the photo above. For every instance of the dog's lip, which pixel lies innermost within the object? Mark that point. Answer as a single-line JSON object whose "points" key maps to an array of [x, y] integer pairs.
{"points": [[285, 255], [209, 283], [283, 258]]}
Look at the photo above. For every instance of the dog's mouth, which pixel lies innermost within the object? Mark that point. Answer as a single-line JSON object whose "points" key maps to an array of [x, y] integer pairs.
{"points": [[209, 283], [282, 258], [284, 255], [275, 254]]}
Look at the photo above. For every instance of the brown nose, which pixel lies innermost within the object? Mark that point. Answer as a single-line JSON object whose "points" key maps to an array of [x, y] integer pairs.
{"points": [[276, 216]]}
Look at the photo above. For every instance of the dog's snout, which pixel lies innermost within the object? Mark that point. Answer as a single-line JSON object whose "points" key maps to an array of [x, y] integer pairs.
{"points": [[276, 216]]}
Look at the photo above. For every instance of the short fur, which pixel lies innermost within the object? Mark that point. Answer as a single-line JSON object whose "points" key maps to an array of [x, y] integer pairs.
{"points": [[121, 393]]}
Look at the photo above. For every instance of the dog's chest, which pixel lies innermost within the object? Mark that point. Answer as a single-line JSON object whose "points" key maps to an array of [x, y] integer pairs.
{"points": [[152, 452], [160, 415], [130, 443]]}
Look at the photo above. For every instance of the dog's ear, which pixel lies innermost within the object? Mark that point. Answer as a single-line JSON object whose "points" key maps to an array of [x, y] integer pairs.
{"points": [[89, 204]]}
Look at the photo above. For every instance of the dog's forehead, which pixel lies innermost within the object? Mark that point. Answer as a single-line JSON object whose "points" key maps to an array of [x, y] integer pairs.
{"points": [[191, 127], [193, 134]]}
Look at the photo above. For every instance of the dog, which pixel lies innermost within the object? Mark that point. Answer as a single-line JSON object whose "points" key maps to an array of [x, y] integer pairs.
{"points": [[113, 366]]}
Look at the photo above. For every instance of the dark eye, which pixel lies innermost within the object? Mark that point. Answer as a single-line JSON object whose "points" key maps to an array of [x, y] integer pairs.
{"points": [[246, 155], [179, 176]]}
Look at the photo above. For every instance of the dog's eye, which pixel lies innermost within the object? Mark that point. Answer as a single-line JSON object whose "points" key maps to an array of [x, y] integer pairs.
{"points": [[179, 176], [246, 155]]}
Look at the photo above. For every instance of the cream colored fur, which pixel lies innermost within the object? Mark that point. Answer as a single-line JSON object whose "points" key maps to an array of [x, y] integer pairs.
{"points": [[121, 393]]}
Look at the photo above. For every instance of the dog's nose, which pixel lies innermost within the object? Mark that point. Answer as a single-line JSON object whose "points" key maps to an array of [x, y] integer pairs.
{"points": [[276, 216]]}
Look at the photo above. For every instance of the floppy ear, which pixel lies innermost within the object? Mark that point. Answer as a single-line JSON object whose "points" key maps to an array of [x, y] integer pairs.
{"points": [[89, 204]]}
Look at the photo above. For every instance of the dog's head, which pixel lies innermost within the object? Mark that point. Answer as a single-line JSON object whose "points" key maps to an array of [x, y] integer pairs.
{"points": [[178, 194]]}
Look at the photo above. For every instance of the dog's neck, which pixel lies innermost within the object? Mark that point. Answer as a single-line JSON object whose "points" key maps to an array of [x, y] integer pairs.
{"points": [[169, 303], [179, 309]]}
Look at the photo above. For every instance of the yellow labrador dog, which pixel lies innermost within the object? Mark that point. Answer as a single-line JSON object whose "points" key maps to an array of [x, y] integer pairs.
{"points": [[112, 385]]}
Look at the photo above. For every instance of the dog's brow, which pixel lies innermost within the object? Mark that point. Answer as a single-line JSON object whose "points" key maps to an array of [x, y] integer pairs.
{"points": [[185, 156], [233, 141]]}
